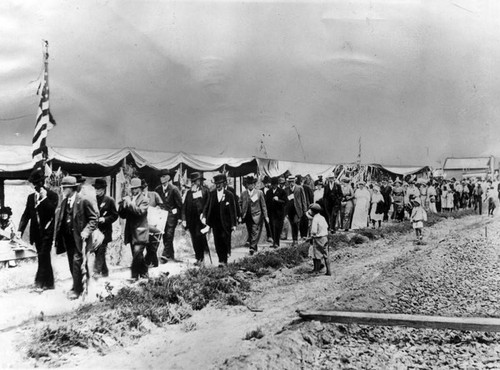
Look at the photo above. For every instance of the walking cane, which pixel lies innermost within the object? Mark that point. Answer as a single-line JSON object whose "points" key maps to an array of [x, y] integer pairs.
{"points": [[84, 269]]}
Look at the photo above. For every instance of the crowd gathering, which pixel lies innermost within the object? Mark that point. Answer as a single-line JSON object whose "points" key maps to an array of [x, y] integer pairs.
{"points": [[74, 223]]}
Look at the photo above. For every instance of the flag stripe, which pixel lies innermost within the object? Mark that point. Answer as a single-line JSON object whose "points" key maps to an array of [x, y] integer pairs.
{"points": [[44, 119]]}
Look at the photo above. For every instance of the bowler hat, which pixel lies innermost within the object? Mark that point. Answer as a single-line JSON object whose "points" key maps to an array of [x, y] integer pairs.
{"points": [[196, 176], [36, 176], [250, 179], [219, 178], [266, 180], [100, 184], [315, 207], [166, 171], [290, 178], [79, 178], [6, 211], [135, 183], [69, 182], [274, 181]]}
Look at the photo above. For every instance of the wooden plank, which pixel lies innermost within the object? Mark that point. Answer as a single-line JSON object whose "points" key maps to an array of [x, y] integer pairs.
{"points": [[414, 321]]}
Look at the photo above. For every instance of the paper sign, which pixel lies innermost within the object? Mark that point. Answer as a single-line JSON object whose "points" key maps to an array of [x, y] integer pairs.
{"points": [[197, 194], [290, 197], [254, 197]]}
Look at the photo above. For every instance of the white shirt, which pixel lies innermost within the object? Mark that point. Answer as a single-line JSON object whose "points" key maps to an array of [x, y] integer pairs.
{"points": [[220, 195], [319, 227], [71, 200]]}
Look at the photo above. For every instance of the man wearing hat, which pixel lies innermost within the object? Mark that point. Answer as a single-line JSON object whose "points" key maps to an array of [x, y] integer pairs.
{"points": [[192, 215], [220, 215], [39, 212], [253, 212], [172, 202], [386, 191], [75, 220], [275, 202], [107, 215], [347, 203], [134, 209], [296, 206], [332, 199]]}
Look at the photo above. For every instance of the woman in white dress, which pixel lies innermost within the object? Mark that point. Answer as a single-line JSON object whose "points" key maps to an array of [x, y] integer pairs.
{"points": [[362, 200]]}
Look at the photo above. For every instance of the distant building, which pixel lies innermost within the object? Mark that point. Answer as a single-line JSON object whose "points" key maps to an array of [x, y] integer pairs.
{"points": [[461, 168]]}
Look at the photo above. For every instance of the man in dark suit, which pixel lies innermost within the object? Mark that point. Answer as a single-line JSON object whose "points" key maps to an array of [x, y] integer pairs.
{"points": [[75, 220], [275, 202], [296, 206], [192, 215], [172, 202], [107, 215], [386, 191], [134, 209], [219, 214], [39, 212], [253, 212], [332, 198]]}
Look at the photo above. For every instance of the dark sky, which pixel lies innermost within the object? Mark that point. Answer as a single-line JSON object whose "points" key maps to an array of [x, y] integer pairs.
{"points": [[416, 80]]}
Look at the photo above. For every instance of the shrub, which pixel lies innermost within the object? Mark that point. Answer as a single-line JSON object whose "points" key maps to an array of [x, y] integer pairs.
{"points": [[257, 334]]}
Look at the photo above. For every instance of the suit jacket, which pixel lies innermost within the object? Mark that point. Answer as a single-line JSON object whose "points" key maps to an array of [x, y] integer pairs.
{"points": [[136, 220], [40, 217], [193, 208], [236, 201], [257, 208], [332, 197], [226, 217], [84, 219], [309, 193], [107, 210], [299, 199], [172, 200], [276, 208]]}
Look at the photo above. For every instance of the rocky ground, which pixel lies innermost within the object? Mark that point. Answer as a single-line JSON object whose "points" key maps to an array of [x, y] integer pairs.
{"points": [[455, 273]]}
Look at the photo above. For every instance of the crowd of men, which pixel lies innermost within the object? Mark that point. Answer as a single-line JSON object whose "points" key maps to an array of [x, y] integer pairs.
{"points": [[76, 223]]}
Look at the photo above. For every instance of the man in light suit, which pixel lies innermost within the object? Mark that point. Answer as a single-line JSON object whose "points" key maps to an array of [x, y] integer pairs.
{"points": [[253, 212], [296, 206], [134, 209], [172, 202], [220, 215], [76, 219]]}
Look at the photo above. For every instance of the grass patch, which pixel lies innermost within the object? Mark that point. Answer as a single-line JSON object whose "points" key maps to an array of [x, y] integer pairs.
{"points": [[257, 334], [171, 299]]}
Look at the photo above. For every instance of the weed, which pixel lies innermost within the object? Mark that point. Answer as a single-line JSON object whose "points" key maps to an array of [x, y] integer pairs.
{"points": [[257, 334]]}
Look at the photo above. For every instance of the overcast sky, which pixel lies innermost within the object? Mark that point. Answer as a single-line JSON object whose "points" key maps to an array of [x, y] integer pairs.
{"points": [[417, 80]]}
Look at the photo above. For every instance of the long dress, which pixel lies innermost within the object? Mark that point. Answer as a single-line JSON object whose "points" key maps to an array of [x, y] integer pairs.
{"points": [[376, 198], [360, 216]]}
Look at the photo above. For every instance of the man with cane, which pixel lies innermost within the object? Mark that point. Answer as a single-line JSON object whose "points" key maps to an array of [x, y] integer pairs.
{"points": [[76, 219]]}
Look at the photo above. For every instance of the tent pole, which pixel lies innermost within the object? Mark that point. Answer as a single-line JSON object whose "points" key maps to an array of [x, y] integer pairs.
{"points": [[2, 192]]}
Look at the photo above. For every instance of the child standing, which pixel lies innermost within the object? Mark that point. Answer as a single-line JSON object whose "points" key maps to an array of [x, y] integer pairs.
{"points": [[418, 216], [319, 238], [490, 198]]}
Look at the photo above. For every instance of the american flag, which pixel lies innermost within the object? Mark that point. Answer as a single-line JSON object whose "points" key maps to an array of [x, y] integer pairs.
{"points": [[44, 119]]}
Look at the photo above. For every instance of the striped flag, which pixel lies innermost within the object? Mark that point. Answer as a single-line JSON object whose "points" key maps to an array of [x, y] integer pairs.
{"points": [[44, 119]]}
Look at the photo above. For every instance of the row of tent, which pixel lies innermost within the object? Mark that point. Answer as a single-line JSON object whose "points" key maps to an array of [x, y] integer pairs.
{"points": [[16, 163]]}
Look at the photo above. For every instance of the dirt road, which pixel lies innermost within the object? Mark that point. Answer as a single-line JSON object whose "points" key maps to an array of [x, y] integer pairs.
{"points": [[374, 276]]}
